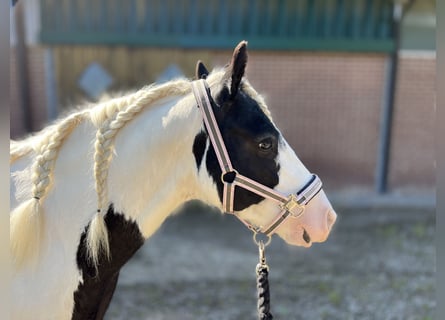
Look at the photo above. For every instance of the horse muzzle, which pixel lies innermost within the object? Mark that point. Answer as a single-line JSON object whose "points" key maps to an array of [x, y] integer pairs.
{"points": [[311, 225]]}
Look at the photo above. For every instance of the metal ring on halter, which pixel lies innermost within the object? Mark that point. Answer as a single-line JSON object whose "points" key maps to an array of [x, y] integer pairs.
{"points": [[258, 242], [228, 172]]}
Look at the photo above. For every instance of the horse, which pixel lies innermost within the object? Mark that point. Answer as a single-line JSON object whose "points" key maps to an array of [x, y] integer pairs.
{"points": [[90, 189]]}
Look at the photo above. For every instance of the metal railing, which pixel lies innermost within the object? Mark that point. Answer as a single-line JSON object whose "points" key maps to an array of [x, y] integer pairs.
{"points": [[363, 25]]}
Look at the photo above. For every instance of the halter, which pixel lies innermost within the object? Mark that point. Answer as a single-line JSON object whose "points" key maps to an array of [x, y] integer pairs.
{"points": [[291, 205]]}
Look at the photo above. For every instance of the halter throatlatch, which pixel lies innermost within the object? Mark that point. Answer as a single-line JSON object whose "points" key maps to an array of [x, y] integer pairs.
{"points": [[291, 205]]}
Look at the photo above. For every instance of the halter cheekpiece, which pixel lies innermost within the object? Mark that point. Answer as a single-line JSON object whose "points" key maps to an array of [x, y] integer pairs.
{"points": [[291, 205]]}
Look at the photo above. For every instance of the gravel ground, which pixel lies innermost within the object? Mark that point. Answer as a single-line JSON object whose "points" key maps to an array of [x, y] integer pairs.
{"points": [[377, 264]]}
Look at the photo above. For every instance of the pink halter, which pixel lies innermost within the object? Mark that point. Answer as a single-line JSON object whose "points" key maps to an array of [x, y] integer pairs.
{"points": [[293, 204]]}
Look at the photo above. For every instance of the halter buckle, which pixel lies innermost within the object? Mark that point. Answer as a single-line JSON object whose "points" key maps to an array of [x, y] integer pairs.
{"points": [[291, 204]]}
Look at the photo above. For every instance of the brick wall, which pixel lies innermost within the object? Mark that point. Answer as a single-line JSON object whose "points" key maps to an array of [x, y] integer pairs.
{"points": [[327, 105], [37, 88], [412, 152], [17, 127]]}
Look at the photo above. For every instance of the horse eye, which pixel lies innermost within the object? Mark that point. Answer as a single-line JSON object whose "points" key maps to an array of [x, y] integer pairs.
{"points": [[265, 145]]}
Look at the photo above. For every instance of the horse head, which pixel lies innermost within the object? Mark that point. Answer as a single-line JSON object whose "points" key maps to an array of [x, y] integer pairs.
{"points": [[257, 151]]}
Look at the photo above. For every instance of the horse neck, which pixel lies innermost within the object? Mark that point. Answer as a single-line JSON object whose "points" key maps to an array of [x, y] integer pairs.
{"points": [[153, 171]]}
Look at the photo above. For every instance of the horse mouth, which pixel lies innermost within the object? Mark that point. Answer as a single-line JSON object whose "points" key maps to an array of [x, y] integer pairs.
{"points": [[306, 236]]}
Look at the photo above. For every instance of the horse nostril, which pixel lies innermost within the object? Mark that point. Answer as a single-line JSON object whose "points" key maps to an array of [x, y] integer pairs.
{"points": [[306, 236], [331, 217]]}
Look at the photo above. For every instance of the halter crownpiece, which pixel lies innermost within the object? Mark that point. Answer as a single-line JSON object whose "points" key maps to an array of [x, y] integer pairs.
{"points": [[291, 205]]}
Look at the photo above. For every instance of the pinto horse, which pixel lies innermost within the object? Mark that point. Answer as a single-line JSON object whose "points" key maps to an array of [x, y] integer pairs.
{"points": [[88, 190]]}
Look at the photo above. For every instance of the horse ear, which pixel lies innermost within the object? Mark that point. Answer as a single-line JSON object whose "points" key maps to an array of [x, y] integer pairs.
{"points": [[201, 71], [237, 67]]}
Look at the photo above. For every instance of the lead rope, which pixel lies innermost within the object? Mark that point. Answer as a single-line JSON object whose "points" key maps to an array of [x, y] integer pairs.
{"points": [[262, 282]]}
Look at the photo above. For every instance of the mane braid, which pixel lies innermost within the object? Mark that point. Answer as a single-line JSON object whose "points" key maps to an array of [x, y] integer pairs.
{"points": [[27, 220], [18, 150], [97, 237]]}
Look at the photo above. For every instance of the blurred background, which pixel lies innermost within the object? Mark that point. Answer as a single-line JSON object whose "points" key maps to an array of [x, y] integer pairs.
{"points": [[359, 73]]}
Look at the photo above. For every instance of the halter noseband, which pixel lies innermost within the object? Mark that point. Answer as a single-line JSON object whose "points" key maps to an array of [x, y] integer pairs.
{"points": [[291, 205]]}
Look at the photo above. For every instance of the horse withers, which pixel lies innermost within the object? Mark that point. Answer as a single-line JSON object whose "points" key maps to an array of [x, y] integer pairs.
{"points": [[88, 190]]}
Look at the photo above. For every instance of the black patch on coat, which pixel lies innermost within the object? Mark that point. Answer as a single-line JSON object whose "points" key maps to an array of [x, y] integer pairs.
{"points": [[245, 129], [243, 126], [93, 296], [199, 146]]}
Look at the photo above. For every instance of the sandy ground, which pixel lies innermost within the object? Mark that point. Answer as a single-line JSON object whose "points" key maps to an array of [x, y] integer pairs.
{"points": [[378, 264]]}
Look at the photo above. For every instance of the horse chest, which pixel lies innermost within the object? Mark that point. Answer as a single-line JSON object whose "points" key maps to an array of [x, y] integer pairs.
{"points": [[93, 295]]}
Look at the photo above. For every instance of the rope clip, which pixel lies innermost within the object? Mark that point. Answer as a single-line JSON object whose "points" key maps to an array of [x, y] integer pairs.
{"points": [[261, 253]]}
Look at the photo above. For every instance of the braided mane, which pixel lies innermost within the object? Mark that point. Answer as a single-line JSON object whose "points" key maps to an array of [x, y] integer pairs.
{"points": [[27, 220]]}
